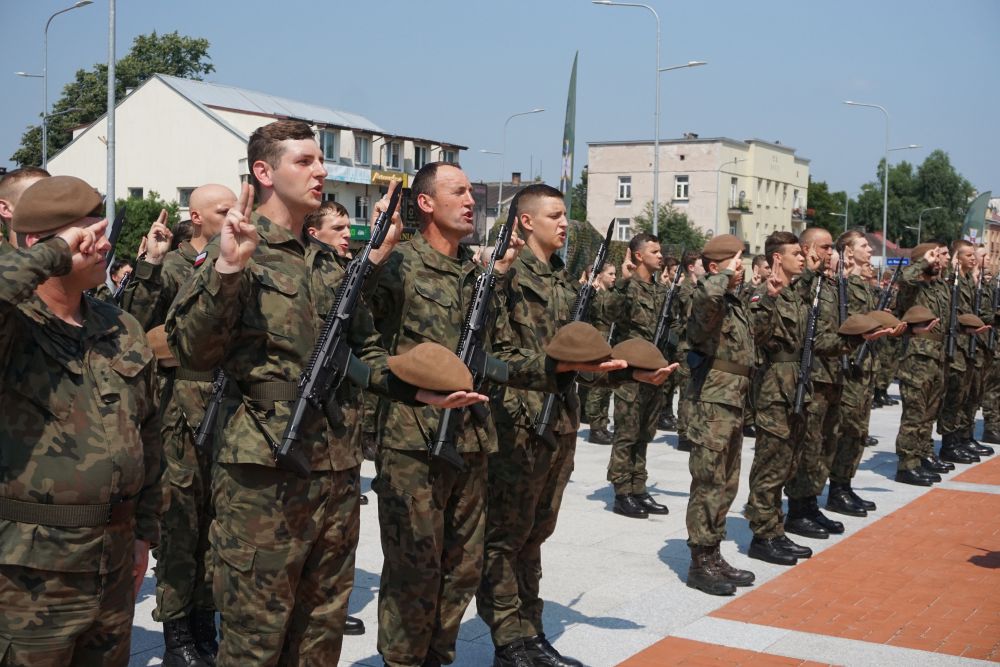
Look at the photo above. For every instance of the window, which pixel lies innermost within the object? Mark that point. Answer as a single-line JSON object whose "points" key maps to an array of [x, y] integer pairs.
{"points": [[392, 155], [184, 197], [135, 193], [795, 199], [681, 187], [624, 188], [329, 196], [361, 208], [733, 189], [784, 196], [448, 156], [419, 157], [362, 150], [760, 191], [732, 228], [623, 229], [328, 142]]}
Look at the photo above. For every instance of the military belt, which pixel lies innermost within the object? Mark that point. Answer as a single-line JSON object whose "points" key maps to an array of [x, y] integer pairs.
{"points": [[779, 357], [271, 391], [730, 367], [67, 516], [193, 376], [935, 336]]}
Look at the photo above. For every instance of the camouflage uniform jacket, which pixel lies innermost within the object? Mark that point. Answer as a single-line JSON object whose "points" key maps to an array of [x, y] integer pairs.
{"points": [[539, 297], [719, 328], [861, 301], [422, 295], [600, 317], [260, 325], [967, 288], [934, 295], [148, 296], [80, 422], [825, 368], [679, 318], [634, 306]]}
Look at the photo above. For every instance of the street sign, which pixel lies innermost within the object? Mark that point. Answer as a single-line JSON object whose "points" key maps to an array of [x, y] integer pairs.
{"points": [[896, 261]]}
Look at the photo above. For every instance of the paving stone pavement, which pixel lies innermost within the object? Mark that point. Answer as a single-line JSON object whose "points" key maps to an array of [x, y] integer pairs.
{"points": [[614, 587]]}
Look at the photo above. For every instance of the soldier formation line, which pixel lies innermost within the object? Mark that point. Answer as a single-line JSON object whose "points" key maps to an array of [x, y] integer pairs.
{"points": [[217, 406]]}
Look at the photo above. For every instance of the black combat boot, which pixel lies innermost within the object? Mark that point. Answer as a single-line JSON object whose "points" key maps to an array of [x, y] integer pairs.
{"points": [[952, 453], [179, 648], [770, 551], [354, 626], [866, 505], [870, 441], [205, 638], [667, 422], [545, 654], [934, 457], [626, 505], [977, 447], [796, 550], [889, 400], [599, 437], [832, 527], [877, 400], [799, 522], [991, 436], [736, 576], [839, 500], [914, 477], [749, 431], [704, 573], [514, 654], [646, 502], [930, 465]]}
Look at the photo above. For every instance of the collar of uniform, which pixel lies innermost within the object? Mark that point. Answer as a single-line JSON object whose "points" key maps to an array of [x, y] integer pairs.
{"points": [[535, 264], [274, 234], [64, 341], [440, 261], [187, 251]]}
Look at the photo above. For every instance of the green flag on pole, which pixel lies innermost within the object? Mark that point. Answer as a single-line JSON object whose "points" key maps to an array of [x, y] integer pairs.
{"points": [[569, 139], [974, 227]]}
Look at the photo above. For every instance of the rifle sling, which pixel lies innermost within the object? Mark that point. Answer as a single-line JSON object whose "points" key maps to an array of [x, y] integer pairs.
{"points": [[193, 376]]}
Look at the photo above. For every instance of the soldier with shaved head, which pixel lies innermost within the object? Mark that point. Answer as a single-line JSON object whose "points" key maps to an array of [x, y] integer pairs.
{"points": [[12, 184]]}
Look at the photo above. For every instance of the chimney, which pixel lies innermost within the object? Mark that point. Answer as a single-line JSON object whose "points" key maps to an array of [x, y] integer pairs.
{"points": [[515, 178], [690, 135]]}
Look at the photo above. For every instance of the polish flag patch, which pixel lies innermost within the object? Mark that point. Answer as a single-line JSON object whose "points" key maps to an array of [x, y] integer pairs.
{"points": [[200, 259], [755, 298]]}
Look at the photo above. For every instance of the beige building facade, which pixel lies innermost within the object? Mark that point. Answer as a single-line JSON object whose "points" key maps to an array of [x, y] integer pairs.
{"points": [[748, 188], [174, 134]]}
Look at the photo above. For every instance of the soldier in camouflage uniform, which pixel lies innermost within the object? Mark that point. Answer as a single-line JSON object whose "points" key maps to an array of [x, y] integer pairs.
{"points": [[888, 351], [432, 515], [12, 184], [183, 588], [79, 442], [668, 420], [722, 355], [760, 272], [779, 320], [979, 356], [599, 397], [991, 385], [822, 430], [693, 270], [283, 546]]}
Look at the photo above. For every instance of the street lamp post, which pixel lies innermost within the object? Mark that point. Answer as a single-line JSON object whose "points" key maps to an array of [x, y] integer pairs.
{"points": [[656, 112], [718, 187], [45, 80], [920, 220], [885, 176], [503, 152]]}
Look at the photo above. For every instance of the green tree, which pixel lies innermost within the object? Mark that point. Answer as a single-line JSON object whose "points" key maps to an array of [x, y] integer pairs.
{"points": [[826, 207], [139, 215], [84, 99], [675, 229], [578, 208]]}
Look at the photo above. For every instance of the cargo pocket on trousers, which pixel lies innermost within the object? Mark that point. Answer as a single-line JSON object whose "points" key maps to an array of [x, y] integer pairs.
{"points": [[180, 476], [232, 566]]}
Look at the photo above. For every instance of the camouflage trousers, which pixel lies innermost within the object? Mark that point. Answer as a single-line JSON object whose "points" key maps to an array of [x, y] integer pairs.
{"points": [[888, 353], [716, 434], [283, 559], [855, 414], [819, 442], [922, 389], [432, 520], [64, 619], [991, 396], [526, 483], [596, 407], [775, 460], [637, 408], [976, 389], [951, 418], [181, 580], [683, 374]]}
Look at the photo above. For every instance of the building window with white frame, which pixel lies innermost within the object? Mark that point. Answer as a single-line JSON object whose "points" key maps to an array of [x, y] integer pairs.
{"points": [[784, 196], [184, 197], [135, 193], [624, 189], [361, 208], [392, 155], [362, 150], [419, 157], [448, 156], [681, 185], [623, 229], [328, 143]]}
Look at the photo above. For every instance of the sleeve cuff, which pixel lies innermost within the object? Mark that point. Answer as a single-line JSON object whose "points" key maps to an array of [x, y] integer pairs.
{"points": [[146, 271]]}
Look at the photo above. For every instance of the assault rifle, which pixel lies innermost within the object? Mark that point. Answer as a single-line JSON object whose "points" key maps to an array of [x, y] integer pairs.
{"points": [[207, 425], [126, 279], [581, 312], [332, 359], [883, 303], [470, 350], [991, 339], [667, 311], [951, 338], [845, 364], [113, 233], [806, 362], [977, 304]]}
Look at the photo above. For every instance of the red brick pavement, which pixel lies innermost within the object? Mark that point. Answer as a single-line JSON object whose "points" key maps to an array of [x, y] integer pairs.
{"points": [[690, 653]]}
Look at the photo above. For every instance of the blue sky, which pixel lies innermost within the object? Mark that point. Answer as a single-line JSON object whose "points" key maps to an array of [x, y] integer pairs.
{"points": [[454, 70]]}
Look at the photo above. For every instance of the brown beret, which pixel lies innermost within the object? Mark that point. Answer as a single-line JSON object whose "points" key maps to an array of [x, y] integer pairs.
{"points": [[639, 353], [885, 320], [918, 314], [52, 203], [971, 321], [921, 250], [432, 366], [722, 247], [855, 325], [578, 341]]}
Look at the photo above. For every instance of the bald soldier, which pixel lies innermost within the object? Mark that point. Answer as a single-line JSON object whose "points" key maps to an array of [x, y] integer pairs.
{"points": [[183, 590], [79, 442], [12, 185]]}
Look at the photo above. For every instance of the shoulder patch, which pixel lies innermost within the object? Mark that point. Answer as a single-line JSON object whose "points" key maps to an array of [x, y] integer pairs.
{"points": [[200, 259]]}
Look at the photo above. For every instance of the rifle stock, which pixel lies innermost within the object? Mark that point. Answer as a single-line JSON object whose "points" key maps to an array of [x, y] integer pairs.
{"points": [[667, 310], [883, 302], [952, 335], [207, 426]]}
